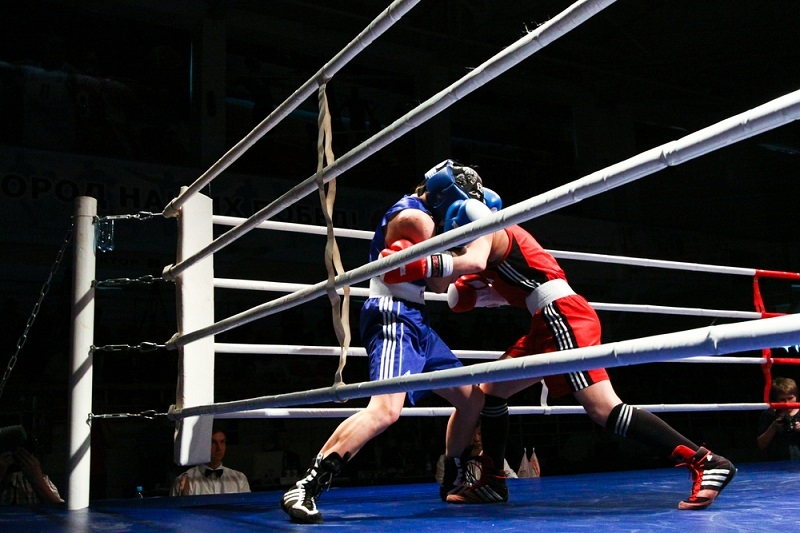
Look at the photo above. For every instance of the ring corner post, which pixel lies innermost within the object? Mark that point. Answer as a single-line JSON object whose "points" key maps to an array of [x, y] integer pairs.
{"points": [[81, 371], [195, 308]]}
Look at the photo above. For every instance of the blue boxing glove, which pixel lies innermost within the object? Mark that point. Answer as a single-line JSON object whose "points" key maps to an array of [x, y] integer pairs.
{"points": [[462, 212], [492, 200]]}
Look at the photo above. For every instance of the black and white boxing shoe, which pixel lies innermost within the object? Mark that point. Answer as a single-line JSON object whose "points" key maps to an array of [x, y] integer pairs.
{"points": [[299, 502]]}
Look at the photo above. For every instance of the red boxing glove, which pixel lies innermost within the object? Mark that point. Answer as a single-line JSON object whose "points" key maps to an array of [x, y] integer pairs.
{"points": [[436, 265], [471, 291]]}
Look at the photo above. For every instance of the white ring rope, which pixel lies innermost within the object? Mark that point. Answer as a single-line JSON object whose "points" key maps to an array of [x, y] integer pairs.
{"points": [[493, 355], [711, 340], [376, 28], [344, 412], [225, 283], [534, 41], [296, 228], [558, 254], [672, 310], [653, 263], [277, 286], [762, 118]]}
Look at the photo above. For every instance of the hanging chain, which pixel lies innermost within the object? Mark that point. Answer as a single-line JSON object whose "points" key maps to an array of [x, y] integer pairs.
{"points": [[148, 415], [46, 287], [105, 242], [141, 215], [124, 282], [142, 347], [104, 228]]}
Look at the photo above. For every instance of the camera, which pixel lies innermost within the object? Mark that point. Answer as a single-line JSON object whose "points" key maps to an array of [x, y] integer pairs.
{"points": [[788, 423]]}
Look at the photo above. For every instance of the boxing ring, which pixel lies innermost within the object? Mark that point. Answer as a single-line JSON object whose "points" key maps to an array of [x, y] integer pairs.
{"points": [[640, 501], [586, 500]]}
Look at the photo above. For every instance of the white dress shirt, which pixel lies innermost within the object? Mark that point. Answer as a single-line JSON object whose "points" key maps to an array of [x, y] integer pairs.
{"points": [[225, 482]]}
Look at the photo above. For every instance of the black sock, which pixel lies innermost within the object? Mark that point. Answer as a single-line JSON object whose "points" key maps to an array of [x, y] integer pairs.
{"points": [[645, 427], [494, 429]]}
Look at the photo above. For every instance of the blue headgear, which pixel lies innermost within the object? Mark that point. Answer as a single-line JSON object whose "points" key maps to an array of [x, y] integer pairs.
{"points": [[448, 182]]}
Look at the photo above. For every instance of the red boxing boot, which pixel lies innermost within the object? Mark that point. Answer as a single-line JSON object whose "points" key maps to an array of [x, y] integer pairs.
{"points": [[710, 474]]}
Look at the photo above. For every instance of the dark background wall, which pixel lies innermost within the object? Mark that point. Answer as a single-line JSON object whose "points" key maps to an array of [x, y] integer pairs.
{"points": [[126, 101]]}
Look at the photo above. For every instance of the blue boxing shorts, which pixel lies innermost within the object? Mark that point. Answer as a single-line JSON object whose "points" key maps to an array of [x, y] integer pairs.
{"points": [[399, 340]]}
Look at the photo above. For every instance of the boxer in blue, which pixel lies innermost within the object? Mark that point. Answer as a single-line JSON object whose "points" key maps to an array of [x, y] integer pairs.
{"points": [[399, 340]]}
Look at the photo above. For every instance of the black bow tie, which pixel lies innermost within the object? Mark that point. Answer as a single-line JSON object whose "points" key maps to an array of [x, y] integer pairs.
{"points": [[215, 473]]}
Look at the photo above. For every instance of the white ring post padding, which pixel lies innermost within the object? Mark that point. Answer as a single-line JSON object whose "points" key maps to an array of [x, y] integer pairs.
{"points": [[81, 360], [195, 308], [344, 412], [570, 18], [711, 340], [376, 28], [762, 118]]}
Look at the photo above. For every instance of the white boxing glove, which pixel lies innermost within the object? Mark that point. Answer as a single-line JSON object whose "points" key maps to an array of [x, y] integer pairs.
{"points": [[471, 291]]}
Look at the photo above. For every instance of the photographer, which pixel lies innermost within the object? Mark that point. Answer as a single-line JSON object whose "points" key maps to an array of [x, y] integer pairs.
{"points": [[779, 429], [21, 479]]}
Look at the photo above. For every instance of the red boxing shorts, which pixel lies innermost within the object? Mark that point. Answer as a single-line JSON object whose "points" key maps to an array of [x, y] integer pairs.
{"points": [[569, 322]]}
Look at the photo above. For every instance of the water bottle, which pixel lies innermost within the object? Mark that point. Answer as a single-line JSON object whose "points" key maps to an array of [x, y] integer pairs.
{"points": [[139, 494], [104, 235]]}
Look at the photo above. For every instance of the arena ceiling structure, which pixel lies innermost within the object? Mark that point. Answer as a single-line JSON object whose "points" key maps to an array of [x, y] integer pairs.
{"points": [[641, 72]]}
